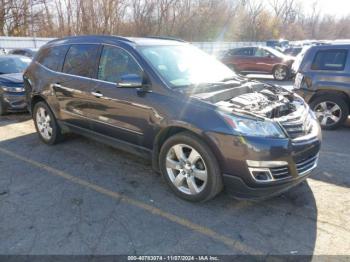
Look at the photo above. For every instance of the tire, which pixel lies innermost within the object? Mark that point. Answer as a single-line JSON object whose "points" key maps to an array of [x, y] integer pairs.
{"points": [[44, 119], [193, 185], [331, 111], [280, 73]]}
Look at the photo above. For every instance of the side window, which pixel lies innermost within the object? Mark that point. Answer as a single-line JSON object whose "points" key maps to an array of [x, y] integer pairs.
{"points": [[333, 60], [261, 53], [243, 52], [80, 60], [115, 63], [53, 58]]}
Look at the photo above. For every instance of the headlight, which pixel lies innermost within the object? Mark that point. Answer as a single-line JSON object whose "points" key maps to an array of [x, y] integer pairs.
{"points": [[252, 127], [12, 89]]}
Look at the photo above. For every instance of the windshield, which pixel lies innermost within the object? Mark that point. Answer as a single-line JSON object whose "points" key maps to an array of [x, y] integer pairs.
{"points": [[185, 65], [9, 65]]}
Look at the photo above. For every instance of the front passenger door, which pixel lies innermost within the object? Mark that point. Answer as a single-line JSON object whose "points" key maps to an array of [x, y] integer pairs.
{"points": [[120, 112]]}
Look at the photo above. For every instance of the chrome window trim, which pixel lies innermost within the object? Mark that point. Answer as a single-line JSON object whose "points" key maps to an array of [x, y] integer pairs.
{"points": [[91, 78]]}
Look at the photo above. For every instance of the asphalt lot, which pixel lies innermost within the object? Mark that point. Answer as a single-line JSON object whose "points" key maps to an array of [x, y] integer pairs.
{"points": [[82, 197]]}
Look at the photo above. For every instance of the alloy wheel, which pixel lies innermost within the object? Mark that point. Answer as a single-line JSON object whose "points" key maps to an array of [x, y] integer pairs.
{"points": [[186, 169], [328, 113], [280, 73], [43, 121]]}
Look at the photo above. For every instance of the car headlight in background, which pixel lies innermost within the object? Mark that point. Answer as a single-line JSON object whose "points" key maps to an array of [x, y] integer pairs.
{"points": [[12, 89], [252, 127]]}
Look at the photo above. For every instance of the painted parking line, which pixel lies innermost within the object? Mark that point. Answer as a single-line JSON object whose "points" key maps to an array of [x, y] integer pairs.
{"points": [[231, 243]]}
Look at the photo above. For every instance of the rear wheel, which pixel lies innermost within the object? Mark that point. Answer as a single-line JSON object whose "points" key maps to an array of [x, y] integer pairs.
{"points": [[331, 110], [190, 168], [280, 73], [46, 124]]}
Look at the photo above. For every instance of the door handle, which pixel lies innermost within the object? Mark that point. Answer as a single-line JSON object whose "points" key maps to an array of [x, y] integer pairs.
{"points": [[97, 94]]}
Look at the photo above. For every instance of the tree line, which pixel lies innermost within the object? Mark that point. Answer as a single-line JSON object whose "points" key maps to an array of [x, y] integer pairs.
{"points": [[192, 20]]}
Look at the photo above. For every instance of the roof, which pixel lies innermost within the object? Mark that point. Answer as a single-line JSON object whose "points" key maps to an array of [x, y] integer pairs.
{"points": [[135, 41]]}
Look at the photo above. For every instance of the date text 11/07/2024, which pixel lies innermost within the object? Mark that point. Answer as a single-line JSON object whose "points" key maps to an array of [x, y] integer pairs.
{"points": [[173, 258]]}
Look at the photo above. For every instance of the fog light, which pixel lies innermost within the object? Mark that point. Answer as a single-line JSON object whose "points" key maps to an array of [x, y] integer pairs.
{"points": [[261, 174]]}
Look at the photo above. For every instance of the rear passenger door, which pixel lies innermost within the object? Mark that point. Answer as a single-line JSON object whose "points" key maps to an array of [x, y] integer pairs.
{"points": [[243, 59], [74, 88]]}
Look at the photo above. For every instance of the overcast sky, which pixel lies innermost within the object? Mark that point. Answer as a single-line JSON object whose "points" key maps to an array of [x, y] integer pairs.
{"points": [[338, 8]]}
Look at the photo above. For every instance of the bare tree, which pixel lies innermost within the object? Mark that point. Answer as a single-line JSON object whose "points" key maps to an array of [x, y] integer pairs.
{"points": [[193, 20]]}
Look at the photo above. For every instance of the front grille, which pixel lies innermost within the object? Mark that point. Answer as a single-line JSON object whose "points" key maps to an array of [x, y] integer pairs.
{"points": [[306, 165], [280, 172], [299, 124]]}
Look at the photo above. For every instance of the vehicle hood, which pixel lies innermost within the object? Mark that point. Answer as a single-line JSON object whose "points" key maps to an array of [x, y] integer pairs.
{"points": [[252, 98], [11, 79]]}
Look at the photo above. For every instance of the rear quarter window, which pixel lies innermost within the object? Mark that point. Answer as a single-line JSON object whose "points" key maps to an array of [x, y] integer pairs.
{"points": [[53, 58], [330, 60]]}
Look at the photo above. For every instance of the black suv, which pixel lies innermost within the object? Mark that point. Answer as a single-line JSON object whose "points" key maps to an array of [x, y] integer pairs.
{"points": [[201, 124], [323, 80]]}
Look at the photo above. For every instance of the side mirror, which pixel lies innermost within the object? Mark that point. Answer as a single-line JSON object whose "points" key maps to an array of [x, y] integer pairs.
{"points": [[130, 81]]}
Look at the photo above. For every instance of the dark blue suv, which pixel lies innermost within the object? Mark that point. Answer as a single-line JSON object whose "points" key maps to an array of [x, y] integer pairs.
{"points": [[202, 125], [323, 80]]}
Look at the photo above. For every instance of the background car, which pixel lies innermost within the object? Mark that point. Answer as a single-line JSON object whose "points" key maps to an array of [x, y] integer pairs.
{"points": [[280, 44], [323, 80], [12, 94], [293, 51], [28, 52], [259, 60]]}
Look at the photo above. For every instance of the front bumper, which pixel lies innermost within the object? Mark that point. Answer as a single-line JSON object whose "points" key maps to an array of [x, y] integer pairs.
{"points": [[14, 101], [288, 161], [239, 189]]}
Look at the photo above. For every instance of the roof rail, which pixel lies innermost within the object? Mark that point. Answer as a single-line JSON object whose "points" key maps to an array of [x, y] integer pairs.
{"points": [[113, 37], [165, 38]]}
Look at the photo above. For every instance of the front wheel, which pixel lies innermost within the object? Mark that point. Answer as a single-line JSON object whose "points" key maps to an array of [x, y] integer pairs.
{"points": [[331, 111], [190, 168], [280, 73]]}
